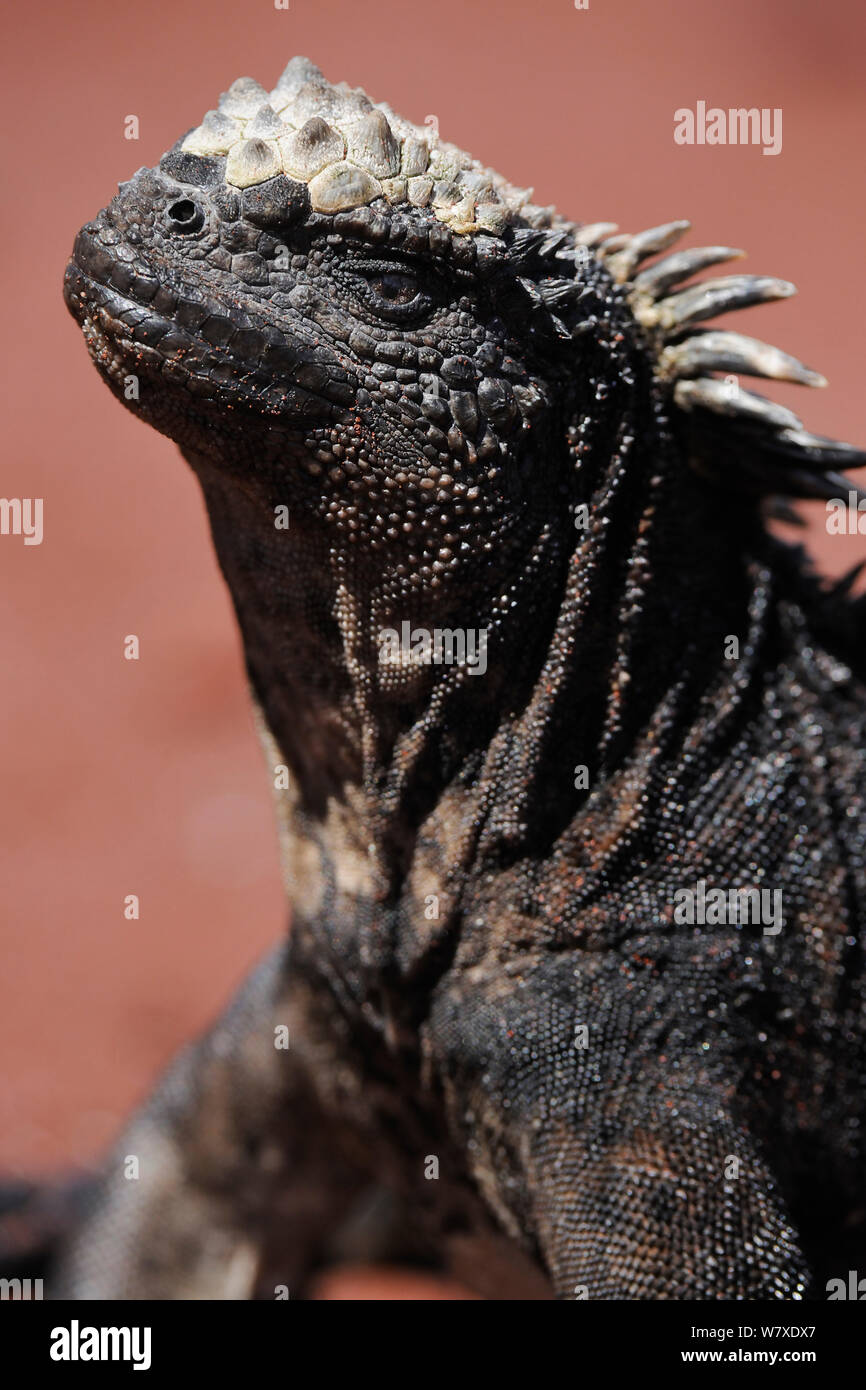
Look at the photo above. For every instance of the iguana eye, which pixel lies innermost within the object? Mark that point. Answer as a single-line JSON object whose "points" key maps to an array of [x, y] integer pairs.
{"points": [[392, 292], [395, 286]]}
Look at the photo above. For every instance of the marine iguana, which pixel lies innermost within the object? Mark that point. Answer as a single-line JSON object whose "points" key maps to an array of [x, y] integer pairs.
{"points": [[413, 396]]}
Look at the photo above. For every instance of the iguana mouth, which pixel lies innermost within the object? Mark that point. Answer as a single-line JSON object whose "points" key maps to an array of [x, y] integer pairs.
{"points": [[110, 321], [127, 338]]}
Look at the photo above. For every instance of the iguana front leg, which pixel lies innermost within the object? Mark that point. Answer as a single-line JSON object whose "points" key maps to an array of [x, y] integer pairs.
{"points": [[652, 1216], [621, 1155], [231, 1153]]}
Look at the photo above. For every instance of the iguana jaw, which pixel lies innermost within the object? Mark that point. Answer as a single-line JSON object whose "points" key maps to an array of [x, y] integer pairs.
{"points": [[187, 385]]}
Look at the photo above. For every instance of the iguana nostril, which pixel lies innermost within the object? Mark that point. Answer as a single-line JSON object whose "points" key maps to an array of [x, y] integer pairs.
{"points": [[185, 216]]}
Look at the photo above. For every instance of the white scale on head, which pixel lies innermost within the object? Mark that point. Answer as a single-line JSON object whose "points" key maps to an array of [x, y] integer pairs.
{"points": [[350, 150]]}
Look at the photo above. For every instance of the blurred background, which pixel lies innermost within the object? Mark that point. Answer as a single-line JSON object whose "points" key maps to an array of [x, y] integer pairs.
{"points": [[145, 777]]}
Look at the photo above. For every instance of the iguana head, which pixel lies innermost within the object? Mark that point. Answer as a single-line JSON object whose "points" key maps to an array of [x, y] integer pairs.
{"points": [[300, 237], [475, 412], [326, 300]]}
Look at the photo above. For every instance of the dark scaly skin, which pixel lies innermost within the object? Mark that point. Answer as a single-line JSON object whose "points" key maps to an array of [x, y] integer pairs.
{"points": [[432, 458]]}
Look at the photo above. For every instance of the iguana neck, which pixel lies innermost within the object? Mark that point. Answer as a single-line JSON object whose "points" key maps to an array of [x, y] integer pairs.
{"points": [[590, 633]]}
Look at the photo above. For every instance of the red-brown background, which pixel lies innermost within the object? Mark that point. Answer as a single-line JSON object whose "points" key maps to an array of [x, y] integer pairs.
{"points": [[122, 777]]}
